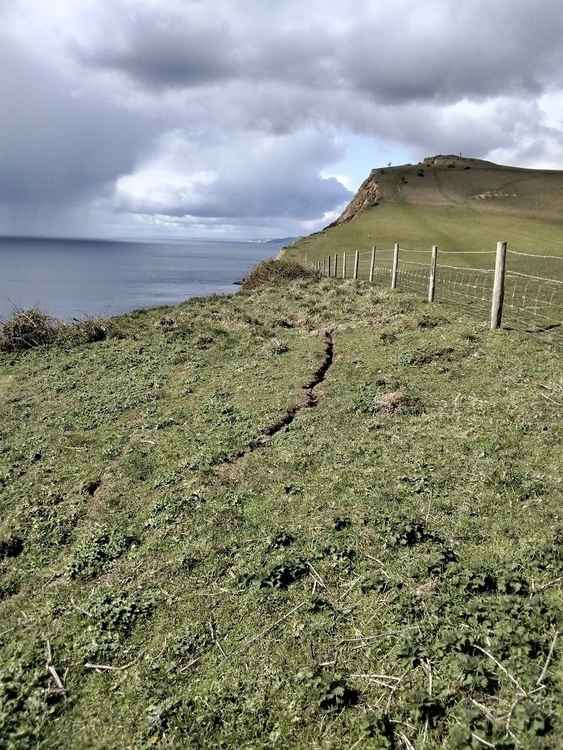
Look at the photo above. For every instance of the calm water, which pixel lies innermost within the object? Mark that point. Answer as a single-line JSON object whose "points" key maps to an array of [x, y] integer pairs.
{"points": [[69, 278]]}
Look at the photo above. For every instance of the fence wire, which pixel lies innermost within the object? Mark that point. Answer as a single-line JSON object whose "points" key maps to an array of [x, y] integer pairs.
{"points": [[533, 302]]}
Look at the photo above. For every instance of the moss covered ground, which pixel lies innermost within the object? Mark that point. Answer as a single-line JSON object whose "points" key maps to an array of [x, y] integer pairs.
{"points": [[382, 572]]}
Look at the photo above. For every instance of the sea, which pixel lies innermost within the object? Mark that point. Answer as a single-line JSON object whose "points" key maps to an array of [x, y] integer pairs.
{"points": [[85, 278]]}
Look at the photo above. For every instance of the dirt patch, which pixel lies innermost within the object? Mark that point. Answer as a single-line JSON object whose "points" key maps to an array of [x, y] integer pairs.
{"points": [[90, 488], [397, 402], [11, 547], [426, 358], [427, 323]]}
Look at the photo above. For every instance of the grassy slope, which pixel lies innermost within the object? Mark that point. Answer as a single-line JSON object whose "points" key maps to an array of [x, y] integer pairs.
{"points": [[414, 539], [441, 208]]}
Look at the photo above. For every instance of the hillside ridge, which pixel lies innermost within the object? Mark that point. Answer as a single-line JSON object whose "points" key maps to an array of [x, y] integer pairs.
{"points": [[449, 184]]}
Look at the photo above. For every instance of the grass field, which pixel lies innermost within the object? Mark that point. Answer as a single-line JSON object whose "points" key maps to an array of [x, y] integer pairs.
{"points": [[382, 572], [453, 229]]}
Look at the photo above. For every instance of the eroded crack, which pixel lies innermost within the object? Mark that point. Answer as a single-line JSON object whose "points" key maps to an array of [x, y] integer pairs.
{"points": [[310, 401]]}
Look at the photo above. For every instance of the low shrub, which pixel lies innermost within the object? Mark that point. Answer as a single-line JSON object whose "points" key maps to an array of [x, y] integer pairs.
{"points": [[272, 272], [88, 331], [27, 329]]}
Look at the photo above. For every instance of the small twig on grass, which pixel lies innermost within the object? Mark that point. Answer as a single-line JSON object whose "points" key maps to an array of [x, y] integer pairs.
{"points": [[190, 664], [385, 634], [215, 639], [79, 609], [509, 715], [504, 669], [345, 594], [108, 667], [408, 743], [376, 679], [271, 627], [553, 401], [548, 585], [548, 660], [428, 511], [481, 740], [52, 671], [394, 690], [317, 577], [485, 710], [428, 669]]}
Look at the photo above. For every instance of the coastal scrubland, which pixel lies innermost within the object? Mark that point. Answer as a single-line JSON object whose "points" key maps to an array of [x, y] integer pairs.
{"points": [[315, 513]]}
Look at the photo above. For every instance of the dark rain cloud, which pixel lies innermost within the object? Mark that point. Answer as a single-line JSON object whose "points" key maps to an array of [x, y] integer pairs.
{"points": [[396, 53], [234, 112], [59, 142]]}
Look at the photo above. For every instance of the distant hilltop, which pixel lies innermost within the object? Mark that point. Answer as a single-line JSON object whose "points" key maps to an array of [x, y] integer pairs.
{"points": [[454, 180]]}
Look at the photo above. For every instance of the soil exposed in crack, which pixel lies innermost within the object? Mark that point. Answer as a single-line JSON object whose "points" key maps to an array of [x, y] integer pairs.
{"points": [[309, 401]]}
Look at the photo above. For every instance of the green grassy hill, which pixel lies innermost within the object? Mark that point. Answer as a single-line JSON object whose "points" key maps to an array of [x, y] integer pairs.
{"points": [[458, 204], [315, 515]]}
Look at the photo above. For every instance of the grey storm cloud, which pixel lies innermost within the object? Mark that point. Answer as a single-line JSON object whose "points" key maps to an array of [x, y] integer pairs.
{"points": [[57, 141], [237, 112], [400, 52]]}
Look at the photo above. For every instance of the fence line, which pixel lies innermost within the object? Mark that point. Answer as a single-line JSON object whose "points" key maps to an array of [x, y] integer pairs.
{"points": [[535, 255], [510, 298], [536, 278]]}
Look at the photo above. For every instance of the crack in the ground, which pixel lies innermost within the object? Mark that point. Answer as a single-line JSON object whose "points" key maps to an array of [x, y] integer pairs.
{"points": [[310, 401]]}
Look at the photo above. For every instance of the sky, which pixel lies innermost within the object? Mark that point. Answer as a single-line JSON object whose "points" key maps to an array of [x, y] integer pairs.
{"points": [[257, 118]]}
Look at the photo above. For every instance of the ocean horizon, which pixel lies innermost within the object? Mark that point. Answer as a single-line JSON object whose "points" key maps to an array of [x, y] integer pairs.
{"points": [[75, 278]]}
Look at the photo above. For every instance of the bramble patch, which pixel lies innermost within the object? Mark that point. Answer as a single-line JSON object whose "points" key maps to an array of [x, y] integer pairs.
{"points": [[93, 555], [282, 576]]}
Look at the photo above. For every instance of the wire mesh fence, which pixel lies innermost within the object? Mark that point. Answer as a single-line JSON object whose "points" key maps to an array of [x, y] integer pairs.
{"points": [[531, 294]]}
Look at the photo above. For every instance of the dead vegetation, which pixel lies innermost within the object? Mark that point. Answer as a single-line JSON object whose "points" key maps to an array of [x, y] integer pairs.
{"points": [[397, 402], [272, 272], [29, 329]]}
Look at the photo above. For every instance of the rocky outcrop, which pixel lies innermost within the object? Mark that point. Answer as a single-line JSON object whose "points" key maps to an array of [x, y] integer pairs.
{"points": [[370, 194]]}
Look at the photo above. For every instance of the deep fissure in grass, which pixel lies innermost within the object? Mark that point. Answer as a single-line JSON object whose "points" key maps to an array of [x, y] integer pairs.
{"points": [[309, 402]]}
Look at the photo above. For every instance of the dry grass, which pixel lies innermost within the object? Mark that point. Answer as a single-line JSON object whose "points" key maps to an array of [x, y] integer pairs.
{"points": [[272, 272], [28, 329]]}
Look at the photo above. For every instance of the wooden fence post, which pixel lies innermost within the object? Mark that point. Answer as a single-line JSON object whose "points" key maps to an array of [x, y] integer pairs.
{"points": [[432, 277], [395, 266], [335, 265], [329, 260], [356, 261], [344, 265], [372, 265], [498, 288]]}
